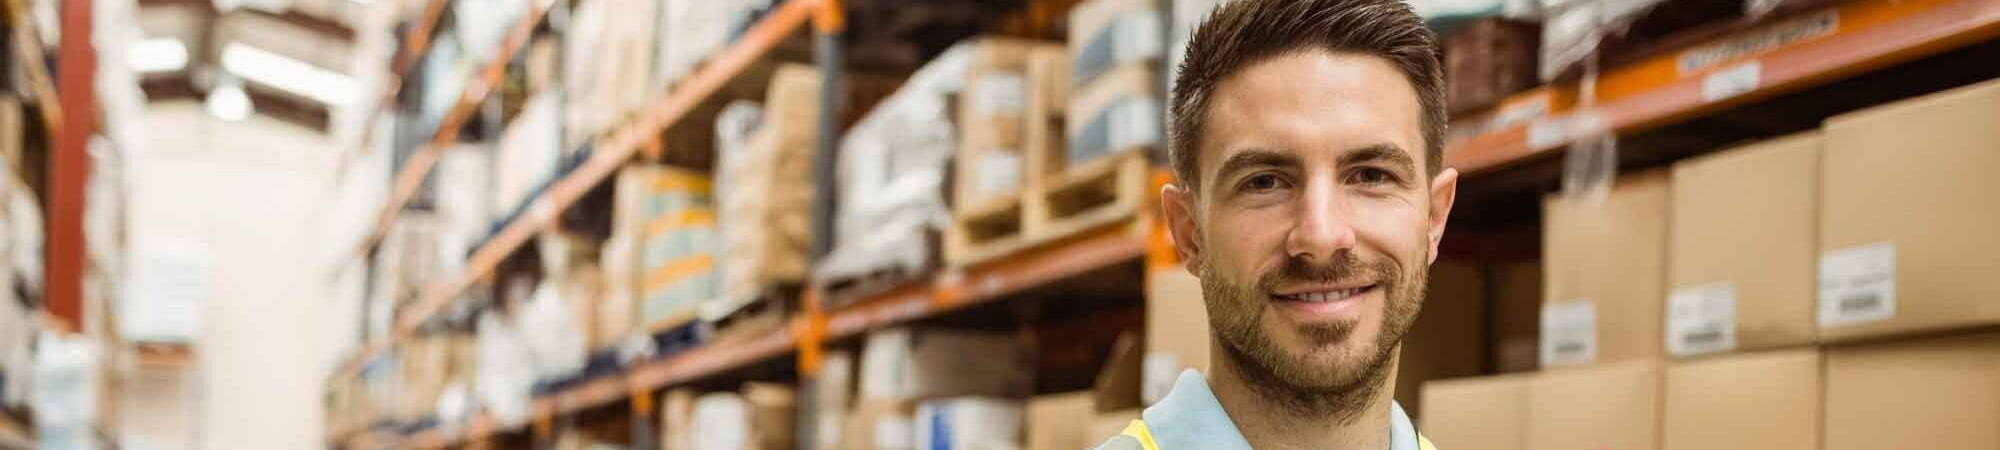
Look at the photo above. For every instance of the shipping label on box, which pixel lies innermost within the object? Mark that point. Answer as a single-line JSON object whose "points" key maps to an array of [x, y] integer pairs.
{"points": [[1702, 319], [1857, 285], [1569, 333]]}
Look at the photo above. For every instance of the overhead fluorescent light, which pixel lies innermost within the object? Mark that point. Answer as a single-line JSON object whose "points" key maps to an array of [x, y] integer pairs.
{"points": [[228, 101], [157, 55], [290, 75]]}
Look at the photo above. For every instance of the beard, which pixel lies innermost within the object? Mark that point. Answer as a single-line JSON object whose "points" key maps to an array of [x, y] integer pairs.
{"points": [[1338, 385]]}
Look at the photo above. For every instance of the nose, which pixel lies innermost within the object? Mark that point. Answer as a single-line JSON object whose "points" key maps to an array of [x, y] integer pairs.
{"points": [[1323, 227]]}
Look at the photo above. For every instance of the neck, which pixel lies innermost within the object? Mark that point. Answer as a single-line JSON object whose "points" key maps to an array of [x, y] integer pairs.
{"points": [[1269, 423]]}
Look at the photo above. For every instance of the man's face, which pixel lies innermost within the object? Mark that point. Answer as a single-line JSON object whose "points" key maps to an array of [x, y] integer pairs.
{"points": [[1314, 222]]}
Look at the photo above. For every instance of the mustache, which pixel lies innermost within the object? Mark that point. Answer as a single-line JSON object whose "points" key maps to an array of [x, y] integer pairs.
{"points": [[1343, 266]]}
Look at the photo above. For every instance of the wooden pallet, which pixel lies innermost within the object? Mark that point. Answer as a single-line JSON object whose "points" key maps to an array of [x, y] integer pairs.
{"points": [[1108, 190], [1102, 192]]}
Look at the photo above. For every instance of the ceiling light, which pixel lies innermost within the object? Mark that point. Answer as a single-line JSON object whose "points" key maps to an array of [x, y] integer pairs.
{"points": [[290, 75], [157, 55]]}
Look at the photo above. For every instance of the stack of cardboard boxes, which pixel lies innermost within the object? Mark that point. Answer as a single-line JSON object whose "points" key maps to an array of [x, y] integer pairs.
{"points": [[1114, 106], [1827, 290]]}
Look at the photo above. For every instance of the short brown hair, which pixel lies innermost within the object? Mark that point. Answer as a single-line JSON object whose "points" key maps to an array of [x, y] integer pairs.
{"points": [[1245, 32]]}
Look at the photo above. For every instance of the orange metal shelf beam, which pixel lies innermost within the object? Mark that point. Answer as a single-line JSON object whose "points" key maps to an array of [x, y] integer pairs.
{"points": [[1032, 268], [611, 153], [1863, 35], [419, 165]]}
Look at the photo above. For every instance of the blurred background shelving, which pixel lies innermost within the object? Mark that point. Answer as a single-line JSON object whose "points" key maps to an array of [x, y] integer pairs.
{"points": [[623, 224]]}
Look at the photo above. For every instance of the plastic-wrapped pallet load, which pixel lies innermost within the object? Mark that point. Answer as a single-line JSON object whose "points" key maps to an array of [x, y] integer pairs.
{"points": [[1114, 46], [464, 181], [609, 65], [969, 423], [529, 152], [765, 193], [505, 376], [891, 175], [1573, 29], [663, 249], [691, 30]]}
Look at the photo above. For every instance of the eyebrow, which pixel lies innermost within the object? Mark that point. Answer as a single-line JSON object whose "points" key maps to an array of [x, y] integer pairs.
{"points": [[1257, 157], [1384, 152]]}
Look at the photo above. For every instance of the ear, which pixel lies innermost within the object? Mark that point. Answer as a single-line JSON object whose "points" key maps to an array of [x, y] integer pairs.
{"points": [[1444, 191], [1177, 207]]}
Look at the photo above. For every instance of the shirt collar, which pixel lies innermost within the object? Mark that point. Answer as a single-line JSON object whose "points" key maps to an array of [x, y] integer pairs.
{"points": [[1190, 417]]}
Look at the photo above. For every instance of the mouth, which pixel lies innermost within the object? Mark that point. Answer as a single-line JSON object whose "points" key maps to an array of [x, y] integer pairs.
{"points": [[1325, 295]]}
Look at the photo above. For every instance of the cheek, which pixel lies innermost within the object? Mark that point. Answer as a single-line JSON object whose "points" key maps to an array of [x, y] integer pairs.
{"points": [[1393, 227], [1242, 241]]}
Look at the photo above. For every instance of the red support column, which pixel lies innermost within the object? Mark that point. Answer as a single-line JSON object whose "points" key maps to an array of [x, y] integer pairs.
{"points": [[69, 165]]}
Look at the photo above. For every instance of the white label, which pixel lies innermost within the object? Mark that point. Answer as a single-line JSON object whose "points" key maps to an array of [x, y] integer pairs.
{"points": [[1569, 333], [1732, 81], [1003, 94], [1701, 319], [1857, 285], [996, 172], [894, 432], [1561, 130], [1157, 375]]}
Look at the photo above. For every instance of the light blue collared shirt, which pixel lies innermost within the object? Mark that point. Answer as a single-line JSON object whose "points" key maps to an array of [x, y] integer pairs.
{"points": [[1191, 418]]}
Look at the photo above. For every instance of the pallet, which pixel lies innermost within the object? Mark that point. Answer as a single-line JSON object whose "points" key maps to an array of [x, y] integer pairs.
{"points": [[1102, 192], [840, 292]]}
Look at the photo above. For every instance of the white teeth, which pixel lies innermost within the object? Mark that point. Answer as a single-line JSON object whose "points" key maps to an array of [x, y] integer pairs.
{"points": [[1320, 297]]}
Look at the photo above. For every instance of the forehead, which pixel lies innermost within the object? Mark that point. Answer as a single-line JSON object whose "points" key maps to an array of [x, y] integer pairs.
{"points": [[1311, 102]]}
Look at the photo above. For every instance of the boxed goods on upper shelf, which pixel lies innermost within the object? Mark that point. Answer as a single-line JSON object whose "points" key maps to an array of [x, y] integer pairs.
{"points": [[1906, 243], [663, 248], [1742, 233], [1488, 59], [764, 176], [1606, 268]]}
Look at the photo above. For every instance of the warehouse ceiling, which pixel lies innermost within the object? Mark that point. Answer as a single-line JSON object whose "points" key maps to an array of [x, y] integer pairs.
{"points": [[291, 59]]}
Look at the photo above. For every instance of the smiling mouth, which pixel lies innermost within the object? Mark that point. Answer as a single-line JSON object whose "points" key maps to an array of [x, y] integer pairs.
{"points": [[1325, 296]]}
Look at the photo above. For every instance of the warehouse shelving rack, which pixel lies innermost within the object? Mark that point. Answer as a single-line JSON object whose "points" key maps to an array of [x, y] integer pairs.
{"points": [[1775, 58], [1840, 41]]}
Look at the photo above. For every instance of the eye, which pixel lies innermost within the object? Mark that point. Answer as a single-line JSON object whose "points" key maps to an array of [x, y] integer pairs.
{"points": [[1371, 176], [1264, 182]]}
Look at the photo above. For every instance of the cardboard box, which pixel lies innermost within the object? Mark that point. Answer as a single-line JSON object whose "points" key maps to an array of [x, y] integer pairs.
{"points": [[925, 363], [1712, 404], [1605, 295], [1488, 59], [1061, 421], [993, 119], [880, 425], [677, 420], [1906, 219], [968, 423], [1742, 246], [1932, 393], [773, 416], [1517, 315], [1487, 413], [1177, 336], [769, 181], [1608, 407], [1449, 338], [1048, 106]]}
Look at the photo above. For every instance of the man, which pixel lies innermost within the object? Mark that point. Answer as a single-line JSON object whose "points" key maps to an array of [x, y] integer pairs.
{"points": [[1309, 200]]}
